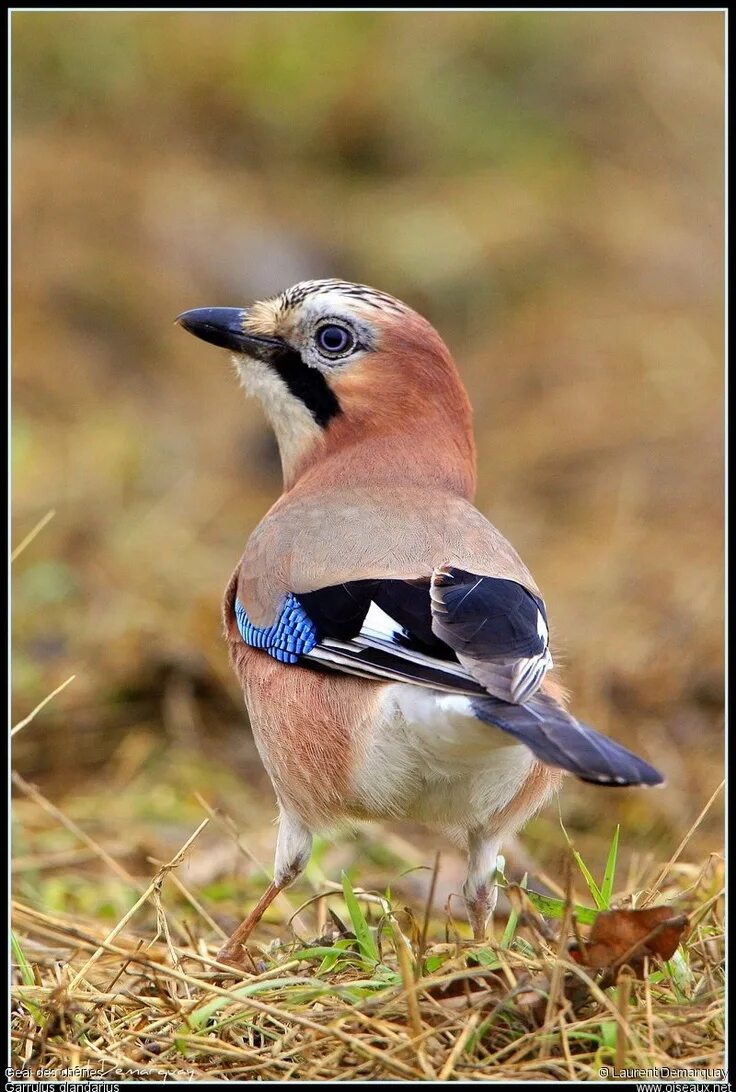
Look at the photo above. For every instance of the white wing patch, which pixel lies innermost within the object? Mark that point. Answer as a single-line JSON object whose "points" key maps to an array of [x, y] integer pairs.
{"points": [[378, 653], [379, 624]]}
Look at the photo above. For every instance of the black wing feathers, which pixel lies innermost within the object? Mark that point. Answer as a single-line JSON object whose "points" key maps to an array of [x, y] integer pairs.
{"points": [[487, 617], [409, 603], [340, 611]]}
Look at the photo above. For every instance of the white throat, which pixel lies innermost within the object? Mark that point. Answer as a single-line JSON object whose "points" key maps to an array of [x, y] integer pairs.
{"points": [[294, 426]]}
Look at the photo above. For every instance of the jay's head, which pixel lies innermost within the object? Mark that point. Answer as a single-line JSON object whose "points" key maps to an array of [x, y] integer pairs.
{"points": [[336, 363]]}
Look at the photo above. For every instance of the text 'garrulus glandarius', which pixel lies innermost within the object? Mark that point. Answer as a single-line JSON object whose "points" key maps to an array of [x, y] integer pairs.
{"points": [[392, 646]]}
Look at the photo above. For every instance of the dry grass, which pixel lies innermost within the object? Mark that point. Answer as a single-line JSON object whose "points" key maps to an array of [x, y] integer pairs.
{"points": [[144, 1008], [353, 984]]}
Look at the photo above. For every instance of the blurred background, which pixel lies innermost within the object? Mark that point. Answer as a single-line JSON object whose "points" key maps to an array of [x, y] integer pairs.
{"points": [[547, 188]]}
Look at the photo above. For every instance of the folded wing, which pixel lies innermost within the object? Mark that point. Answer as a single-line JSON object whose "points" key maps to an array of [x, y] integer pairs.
{"points": [[382, 629], [482, 637]]}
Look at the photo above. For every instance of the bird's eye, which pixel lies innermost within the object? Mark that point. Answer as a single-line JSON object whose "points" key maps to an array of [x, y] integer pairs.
{"points": [[335, 340]]}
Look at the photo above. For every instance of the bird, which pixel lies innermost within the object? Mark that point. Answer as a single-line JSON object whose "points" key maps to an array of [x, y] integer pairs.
{"points": [[392, 647]]}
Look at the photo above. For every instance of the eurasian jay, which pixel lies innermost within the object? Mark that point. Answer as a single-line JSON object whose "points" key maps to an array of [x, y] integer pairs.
{"points": [[392, 646]]}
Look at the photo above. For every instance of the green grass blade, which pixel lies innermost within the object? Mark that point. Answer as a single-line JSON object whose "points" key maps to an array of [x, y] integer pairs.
{"points": [[363, 935], [681, 975], [608, 1034], [610, 872], [434, 962], [20, 958], [555, 908], [26, 974], [202, 1016], [592, 886], [510, 930], [323, 952], [484, 957], [35, 1011]]}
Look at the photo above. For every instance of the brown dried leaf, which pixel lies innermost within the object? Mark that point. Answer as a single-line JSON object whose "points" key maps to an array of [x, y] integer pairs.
{"points": [[620, 937]]}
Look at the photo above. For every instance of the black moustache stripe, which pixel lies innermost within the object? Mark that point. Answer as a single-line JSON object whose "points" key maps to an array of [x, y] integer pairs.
{"points": [[308, 385]]}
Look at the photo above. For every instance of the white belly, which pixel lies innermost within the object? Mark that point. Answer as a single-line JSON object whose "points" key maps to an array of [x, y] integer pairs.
{"points": [[428, 758]]}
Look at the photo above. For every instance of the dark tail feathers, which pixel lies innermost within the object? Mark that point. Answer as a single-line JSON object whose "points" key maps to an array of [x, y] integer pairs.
{"points": [[557, 739]]}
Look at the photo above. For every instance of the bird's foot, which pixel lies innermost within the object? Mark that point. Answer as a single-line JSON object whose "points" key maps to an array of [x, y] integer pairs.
{"points": [[238, 957]]}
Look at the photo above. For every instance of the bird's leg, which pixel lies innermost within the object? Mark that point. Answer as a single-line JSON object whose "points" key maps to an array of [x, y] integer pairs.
{"points": [[293, 849], [233, 950], [479, 889]]}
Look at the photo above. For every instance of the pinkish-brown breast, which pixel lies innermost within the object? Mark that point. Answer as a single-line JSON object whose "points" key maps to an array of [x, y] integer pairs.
{"points": [[307, 725]]}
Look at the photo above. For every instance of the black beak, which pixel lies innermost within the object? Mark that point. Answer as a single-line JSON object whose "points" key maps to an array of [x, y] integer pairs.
{"points": [[223, 326]]}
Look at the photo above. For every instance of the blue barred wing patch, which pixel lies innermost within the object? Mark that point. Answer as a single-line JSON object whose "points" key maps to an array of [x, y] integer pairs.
{"points": [[292, 635]]}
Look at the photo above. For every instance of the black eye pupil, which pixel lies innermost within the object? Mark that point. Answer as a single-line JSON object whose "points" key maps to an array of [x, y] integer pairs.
{"points": [[334, 339]]}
